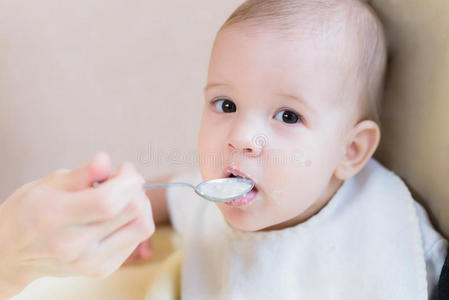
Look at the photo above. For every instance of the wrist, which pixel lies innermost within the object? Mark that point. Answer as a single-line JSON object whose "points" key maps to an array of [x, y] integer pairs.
{"points": [[12, 282], [9, 288], [8, 291]]}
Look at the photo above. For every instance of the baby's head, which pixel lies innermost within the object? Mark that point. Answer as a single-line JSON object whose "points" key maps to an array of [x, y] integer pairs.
{"points": [[292, 101]]}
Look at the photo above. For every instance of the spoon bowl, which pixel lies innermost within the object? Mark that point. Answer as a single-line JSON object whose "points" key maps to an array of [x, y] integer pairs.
{"points": [[224, 189], [215, 190]]}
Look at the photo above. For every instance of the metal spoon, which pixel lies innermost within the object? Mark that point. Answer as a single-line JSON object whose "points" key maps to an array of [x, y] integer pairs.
{"points": [[216, 190]]}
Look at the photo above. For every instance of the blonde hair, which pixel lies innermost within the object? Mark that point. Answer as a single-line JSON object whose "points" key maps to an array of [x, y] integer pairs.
{"points": [[353, 16]]}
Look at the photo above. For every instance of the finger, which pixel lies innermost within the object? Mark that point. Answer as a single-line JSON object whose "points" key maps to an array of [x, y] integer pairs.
{"points": [[125, 168], [97, 170], [138, 230], [111, 252], [103, 267], [70, 243], [113, 263], [130, 234], [145, 250], [102, 203], [141, 253], [137, 207]]}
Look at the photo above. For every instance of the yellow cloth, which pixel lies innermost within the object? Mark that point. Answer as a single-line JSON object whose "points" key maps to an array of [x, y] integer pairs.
{"points": [[159, 278]]}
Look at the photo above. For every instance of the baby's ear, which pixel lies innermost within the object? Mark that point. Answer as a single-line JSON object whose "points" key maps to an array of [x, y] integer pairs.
{"points": [[360, 147]]}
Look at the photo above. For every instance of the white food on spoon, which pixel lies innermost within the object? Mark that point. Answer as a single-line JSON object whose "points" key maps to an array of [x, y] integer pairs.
{"points": [[225, 189]]}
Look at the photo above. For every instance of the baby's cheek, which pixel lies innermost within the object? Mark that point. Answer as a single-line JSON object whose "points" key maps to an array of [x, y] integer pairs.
{"points": [[291, 185], [281, 185]]}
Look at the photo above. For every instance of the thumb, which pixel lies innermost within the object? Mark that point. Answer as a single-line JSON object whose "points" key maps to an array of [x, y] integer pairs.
{"points": [[124, 169], [97, 170]]}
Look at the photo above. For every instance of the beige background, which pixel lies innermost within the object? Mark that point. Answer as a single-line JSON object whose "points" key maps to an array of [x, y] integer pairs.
{"points": [[415, 142], [126, 77], [121, 76]]}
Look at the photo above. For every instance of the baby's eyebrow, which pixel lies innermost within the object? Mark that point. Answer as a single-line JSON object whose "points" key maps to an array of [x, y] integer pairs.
{"points": [[300, 100], [213, 84]]}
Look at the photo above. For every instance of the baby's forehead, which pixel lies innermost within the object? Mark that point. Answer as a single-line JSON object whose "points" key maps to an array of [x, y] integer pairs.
{"points": [[333, 24], [292, 59]]}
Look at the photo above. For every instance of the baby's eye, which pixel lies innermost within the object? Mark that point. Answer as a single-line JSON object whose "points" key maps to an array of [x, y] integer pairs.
{"points": [[225, 105], [288, 116]]}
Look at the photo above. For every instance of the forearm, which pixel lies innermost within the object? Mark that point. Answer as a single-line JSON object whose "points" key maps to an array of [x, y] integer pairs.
{"points": [[11, 283], [7, 290]]}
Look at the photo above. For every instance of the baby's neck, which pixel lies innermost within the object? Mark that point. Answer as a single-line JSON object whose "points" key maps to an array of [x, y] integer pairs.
{"points": [[315, 208]]}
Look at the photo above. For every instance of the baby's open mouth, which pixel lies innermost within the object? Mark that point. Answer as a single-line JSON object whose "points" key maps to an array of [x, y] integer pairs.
{"points": [[245, 199], [231, 175]]}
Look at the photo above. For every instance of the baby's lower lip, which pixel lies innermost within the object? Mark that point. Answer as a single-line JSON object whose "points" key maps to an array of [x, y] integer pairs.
{"points": [[243, 200]]}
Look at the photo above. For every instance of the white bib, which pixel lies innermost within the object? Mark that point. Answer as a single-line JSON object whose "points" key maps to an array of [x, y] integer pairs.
{"points": [[364, 244]]}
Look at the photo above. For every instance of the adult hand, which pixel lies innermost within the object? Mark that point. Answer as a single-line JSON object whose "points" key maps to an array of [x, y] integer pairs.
{"points": [[61, 226]]}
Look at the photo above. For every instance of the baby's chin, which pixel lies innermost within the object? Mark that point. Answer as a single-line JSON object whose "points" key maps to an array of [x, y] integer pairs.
{"points": [[243, 226], [240, 219]]}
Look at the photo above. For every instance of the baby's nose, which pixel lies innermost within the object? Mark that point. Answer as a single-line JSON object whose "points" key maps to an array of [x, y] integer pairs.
{"points": [[251, 145]]}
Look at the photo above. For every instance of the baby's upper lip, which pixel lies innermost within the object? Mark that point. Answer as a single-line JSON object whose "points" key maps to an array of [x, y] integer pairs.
{"points": [[235, 171]]}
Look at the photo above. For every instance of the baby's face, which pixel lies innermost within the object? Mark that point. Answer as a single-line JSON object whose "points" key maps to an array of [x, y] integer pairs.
{"points": [[273, 111]]}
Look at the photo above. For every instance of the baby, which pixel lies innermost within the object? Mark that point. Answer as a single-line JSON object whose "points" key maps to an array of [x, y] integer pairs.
{"points": [[292, 102]]}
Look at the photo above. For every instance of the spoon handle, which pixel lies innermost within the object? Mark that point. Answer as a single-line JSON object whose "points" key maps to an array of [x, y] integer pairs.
{"points": [[150, 186], [164, 185]]}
